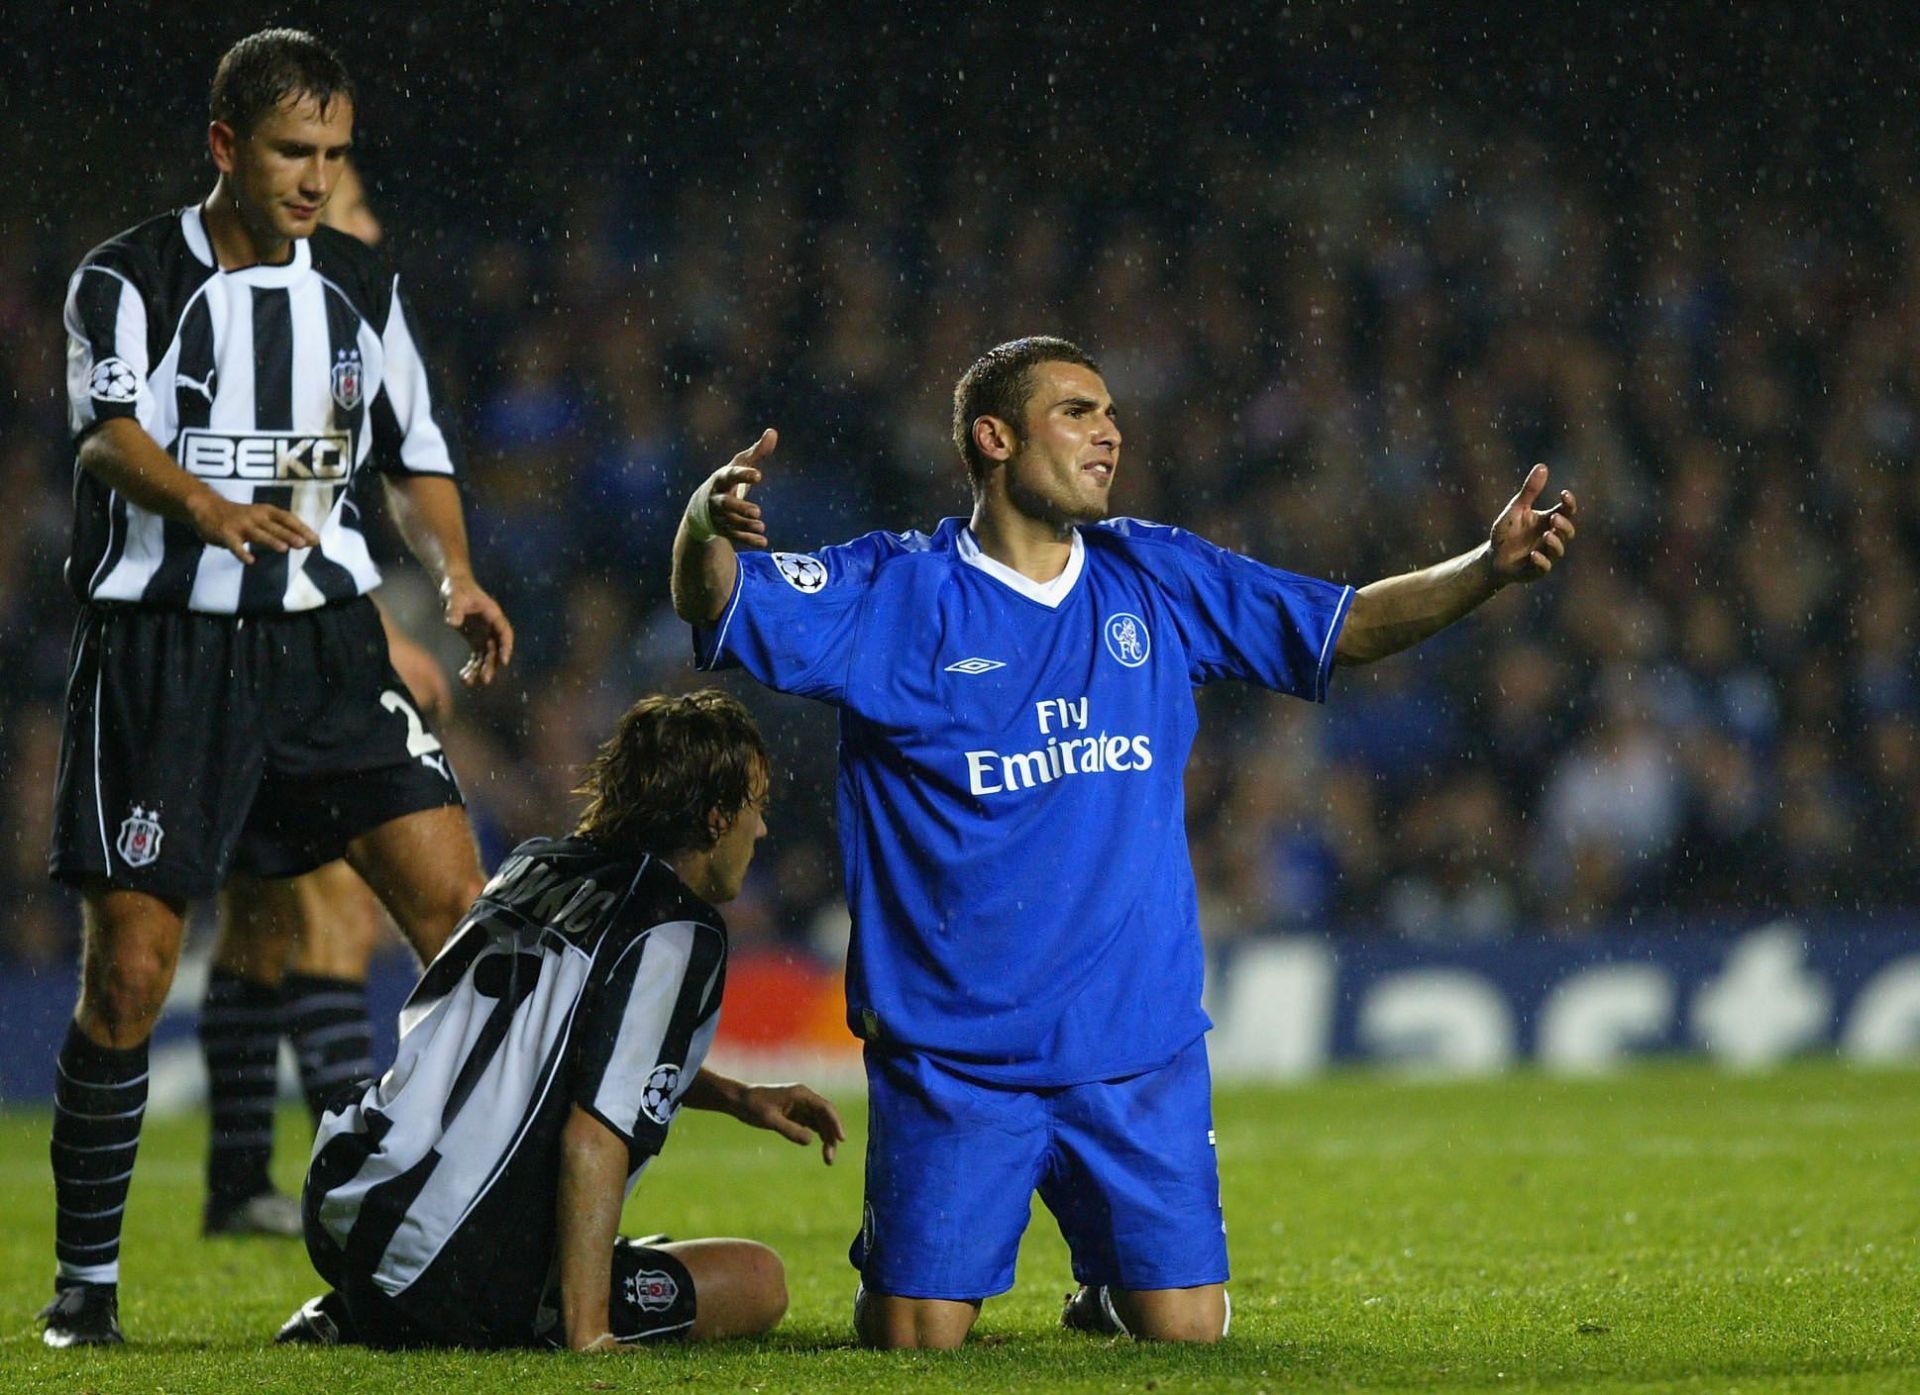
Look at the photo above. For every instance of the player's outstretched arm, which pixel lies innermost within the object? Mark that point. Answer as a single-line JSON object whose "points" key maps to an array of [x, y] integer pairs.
{"points": [[794, 1112], [122, 455], [1400, 611], [593, 1185], [718, 519], [427, 508]]}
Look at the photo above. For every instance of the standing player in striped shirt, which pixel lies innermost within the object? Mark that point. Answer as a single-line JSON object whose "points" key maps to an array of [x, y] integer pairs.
{"points": [[232, 369], [472, 1196]]}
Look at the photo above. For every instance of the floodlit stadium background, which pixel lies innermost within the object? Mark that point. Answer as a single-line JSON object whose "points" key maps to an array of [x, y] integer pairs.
{"points": [[1349, 273]]}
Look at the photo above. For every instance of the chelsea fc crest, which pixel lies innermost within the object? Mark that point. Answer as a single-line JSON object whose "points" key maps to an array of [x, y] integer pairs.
{"points": [[1127, 639], [140, 834], [347, 374]]}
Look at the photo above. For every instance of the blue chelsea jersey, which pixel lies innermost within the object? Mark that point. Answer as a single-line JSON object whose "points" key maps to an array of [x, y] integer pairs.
{"points": [[1011, 796]]}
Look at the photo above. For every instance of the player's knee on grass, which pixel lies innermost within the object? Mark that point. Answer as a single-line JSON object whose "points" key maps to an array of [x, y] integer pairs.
{"points": [[1174, 1314], [891, 1323], [740, 1286], [131, 949]]}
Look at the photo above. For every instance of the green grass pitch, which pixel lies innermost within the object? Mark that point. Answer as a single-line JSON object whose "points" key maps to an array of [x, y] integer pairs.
{"points": [[1670, 1229]]}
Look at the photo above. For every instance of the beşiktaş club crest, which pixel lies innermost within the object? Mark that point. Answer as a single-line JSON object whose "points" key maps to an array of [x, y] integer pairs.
{"points": [[1128, 640], [140, 835], [347, 379], [803, 573], [651, 1290]]}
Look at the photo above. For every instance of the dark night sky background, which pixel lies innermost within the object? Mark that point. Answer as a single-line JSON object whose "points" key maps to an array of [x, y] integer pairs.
{"points": [[496, 111]]}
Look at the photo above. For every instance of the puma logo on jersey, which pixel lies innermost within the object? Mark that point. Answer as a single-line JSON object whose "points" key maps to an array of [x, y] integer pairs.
{"points": [[205, 389]]}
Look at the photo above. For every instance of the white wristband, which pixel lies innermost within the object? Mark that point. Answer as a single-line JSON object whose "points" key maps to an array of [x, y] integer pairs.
{"points": [[700, 514]]}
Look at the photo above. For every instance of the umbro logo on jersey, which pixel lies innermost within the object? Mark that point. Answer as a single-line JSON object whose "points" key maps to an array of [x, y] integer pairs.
{"points": [[975, 666], [803, 573]]}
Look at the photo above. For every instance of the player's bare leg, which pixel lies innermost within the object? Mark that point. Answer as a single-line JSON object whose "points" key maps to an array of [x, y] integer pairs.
{"points": [[891, 1323], [339, 923], [426, 870], [740, 1286], [127, 959]]}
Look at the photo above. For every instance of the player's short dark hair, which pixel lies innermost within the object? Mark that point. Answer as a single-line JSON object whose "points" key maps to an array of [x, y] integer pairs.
{"points": [[673, 769], [263, 70], [999, 384]]}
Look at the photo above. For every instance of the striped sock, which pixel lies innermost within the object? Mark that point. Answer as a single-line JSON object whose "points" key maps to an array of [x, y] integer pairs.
{"points": [[99, 1097], [326, 1019], [240, 1037]]}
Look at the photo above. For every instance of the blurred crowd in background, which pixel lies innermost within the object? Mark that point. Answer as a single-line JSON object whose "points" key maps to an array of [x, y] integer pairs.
{"points": [[1341, 315]]}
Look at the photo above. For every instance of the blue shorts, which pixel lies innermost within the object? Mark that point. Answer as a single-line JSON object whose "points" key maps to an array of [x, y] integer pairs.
{"points": [[1126, 1167]]}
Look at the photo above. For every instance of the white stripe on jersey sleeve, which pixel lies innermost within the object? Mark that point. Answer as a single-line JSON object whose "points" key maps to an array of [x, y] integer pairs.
{"points": [[630, 1091], [129, 345], [423, 449]]}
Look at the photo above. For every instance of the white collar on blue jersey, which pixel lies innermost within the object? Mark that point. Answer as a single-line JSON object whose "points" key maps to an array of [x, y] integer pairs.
{"points": [[1047, 593], [193, 227]]}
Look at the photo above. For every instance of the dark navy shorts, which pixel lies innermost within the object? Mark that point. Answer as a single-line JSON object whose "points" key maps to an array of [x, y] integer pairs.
{"points": [[1126, 1166], [198, 745]]}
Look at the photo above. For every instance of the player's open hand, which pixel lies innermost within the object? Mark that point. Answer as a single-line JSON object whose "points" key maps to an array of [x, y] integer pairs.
{"points": [[239, 528], [482, 624], [794, 1112], [720, 508], [1526, 542]]}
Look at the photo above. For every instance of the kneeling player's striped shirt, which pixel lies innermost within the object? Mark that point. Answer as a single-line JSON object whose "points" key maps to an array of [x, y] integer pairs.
{"points": [[578, 978]]}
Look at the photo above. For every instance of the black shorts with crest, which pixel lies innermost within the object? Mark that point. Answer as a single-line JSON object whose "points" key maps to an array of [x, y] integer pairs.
{"points": [[199, 745]]}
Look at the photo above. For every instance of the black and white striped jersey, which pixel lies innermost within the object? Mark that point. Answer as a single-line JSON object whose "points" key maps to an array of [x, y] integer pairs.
{"points": [[579, 977], [274, 384]]}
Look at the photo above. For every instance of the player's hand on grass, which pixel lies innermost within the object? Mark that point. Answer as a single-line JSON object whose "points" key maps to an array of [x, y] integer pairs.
{"points": [[719, 508], [794, 1112], [239, 528], [1525, 541], [482, 624]]}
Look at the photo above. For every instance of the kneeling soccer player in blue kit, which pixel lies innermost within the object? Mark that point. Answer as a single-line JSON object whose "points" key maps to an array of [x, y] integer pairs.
{"points": [[1016, 710]]}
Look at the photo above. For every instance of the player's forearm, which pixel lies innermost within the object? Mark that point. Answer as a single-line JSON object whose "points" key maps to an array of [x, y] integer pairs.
{"points": [[593, 1179], [428, 512], [1398, 612], [121, 455], [711, 1090], [704, 574]]}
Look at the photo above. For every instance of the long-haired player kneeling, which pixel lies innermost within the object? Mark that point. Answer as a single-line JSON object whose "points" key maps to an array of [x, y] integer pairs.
{"points": [[472, 1196]]}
